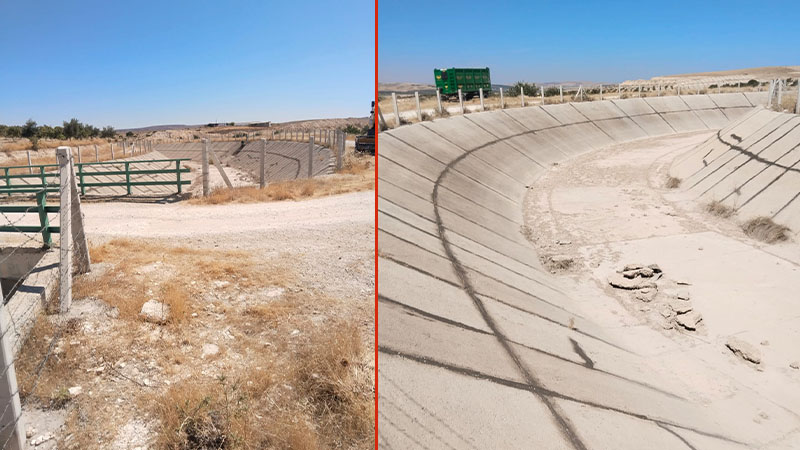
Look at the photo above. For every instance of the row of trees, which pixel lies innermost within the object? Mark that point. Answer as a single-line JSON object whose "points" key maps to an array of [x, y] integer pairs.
{"points": [[73, 129]]}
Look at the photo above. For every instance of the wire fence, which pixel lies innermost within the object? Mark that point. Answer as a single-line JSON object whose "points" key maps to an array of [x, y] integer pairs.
{"points": [[18, 317], [401, 109]]}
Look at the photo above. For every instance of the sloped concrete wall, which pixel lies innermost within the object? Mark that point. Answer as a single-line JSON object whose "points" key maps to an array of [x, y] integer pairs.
{"points": [[479, 347], [751, 165]]}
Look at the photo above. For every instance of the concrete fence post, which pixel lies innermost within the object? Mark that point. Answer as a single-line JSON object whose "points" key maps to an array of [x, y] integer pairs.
{"points": [[480, 93], [797, 104], [112, 153], [419, 111], [96, 154], [719, 88], [780, 94], [13, 428], [205, 167], [310, 157], [262, 182], [640, 91], [396, 112], [30, 164], [522, 95], [340, 152], [619, 90], [502, 100], [679, 90], [439, 101], [65, 232], [601, 92], [80, 160], [541, 90], [561, 93], [461, 100]]}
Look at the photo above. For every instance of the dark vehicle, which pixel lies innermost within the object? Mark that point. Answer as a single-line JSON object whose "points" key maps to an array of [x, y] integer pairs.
{"points": [[449, 81], [366, 142]]}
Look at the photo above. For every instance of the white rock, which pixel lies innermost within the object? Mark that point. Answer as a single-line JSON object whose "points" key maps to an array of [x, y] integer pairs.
{"points": [[689, 320], [74, 390], [744, 350], [683, 295], [41, 439], [154, 311], [795, 365], [210, 350]]}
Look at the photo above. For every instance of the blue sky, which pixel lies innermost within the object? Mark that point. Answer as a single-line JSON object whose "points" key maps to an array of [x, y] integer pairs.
{"points": [[605, 41], [130, 64]]}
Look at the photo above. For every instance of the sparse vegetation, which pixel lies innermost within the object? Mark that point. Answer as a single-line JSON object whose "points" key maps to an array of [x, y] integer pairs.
{"points": [[520, 86], [672, 182], [719, 209], [766, 230]]}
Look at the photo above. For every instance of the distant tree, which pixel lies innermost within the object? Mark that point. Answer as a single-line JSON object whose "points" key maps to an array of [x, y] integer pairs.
{"points": [[14, 131], [108, 132], [3, 130], [73, 129], [530, 89], [231, 123], [30, 129], [130, 134]]}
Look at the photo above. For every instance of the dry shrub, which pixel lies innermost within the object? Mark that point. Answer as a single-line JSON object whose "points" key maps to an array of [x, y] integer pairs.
{"points": [[324, 399], [719, 209], [672, 182], [329, 374], [766, 230]]}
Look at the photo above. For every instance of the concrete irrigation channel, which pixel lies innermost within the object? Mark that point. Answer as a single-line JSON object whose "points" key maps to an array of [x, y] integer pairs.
{"points": [[482, 345]]}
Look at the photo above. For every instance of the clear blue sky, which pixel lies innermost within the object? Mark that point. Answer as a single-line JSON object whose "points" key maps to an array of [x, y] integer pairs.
{"points": [[130, 64], [540, 41]]}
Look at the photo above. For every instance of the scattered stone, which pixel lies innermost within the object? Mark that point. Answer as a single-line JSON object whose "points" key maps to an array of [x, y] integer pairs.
{"points": [[75, 391], [560, 242], [619, 281], [795, 365], [683, 295], [294, 333], [559, 262], [155, 312], [689, 320], [632, 267], [680, 307], [646, 295], [30, 432], [744, 350], [41, 439], [683, 283], [209, 350], [667, 325], [655, 268], [645, 272], [666, 312], [764, 342]]}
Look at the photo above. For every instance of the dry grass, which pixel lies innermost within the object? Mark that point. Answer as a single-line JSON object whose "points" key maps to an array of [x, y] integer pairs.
{"points": [[672, 182], [171, 271], [766, 230], [357, 174], [719, 209], [48, 156], [324, 399], [25, 144]]}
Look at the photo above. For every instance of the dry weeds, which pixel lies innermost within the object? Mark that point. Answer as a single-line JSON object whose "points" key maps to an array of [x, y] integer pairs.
{"points": [[719, 209], [280, 381], [766, 230], [357, 174], [672, 182]]}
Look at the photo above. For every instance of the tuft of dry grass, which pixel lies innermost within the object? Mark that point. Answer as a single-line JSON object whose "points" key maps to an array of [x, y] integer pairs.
{"points": [[766, 230], [719, 209], [672, 182]]}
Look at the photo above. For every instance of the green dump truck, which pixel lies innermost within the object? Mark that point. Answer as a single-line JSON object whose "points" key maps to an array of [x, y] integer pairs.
{"points": [[449, 81]]}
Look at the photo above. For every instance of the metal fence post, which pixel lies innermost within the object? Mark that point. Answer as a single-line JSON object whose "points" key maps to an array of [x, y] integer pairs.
{"points": [[13, 430], [480, 93], [419, 111], [262, 182], [396, 112], [310, 156], [461, 100], [502, 100], [439, 101], [205, 167]]}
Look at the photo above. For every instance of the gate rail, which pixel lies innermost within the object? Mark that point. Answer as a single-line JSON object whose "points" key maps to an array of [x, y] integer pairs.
{"points": [[44, 184]]}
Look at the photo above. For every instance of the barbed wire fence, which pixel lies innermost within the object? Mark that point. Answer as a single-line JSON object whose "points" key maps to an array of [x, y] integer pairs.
{"points": [[17, 319]]}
